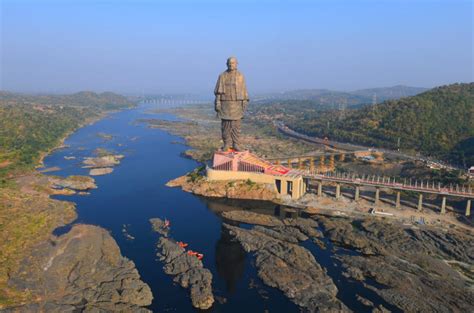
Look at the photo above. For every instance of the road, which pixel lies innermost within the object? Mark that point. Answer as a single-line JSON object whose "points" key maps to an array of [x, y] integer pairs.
{"points": [[352, 147]]}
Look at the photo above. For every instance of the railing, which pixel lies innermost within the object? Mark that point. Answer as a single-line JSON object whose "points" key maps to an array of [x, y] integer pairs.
{"points": [[389, 182]]}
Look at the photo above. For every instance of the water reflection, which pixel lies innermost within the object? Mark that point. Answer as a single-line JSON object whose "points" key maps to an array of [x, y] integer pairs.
{"points": [[230, 260], [220, 205]]}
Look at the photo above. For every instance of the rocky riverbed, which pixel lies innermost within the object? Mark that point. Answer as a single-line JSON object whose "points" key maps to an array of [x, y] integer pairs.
{"points": [[81, 270], [403, 268], [417, 269], [185, 266], [102, 164]]}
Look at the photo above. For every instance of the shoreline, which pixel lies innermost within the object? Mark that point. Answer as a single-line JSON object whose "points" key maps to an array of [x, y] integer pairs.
{"points": [[61, 144], [96, 248]]}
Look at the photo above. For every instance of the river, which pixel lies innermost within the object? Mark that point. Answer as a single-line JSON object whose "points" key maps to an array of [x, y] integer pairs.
{"points": [[136, 192]]}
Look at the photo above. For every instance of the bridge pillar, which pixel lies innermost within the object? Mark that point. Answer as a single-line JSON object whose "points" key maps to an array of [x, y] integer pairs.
{"points": [[468, 207], [320, 188], [338, 191], [420, 202], [377, 196], [331, 162], [443, 205], [357, 193], [397, 201]]}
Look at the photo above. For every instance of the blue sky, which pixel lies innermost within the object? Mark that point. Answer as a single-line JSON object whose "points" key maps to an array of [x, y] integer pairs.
{"points": [[179, 46]]}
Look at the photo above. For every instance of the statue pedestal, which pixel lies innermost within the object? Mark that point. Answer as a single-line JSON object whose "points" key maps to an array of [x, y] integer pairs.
{"points": [[244, 166], [245, 161]]}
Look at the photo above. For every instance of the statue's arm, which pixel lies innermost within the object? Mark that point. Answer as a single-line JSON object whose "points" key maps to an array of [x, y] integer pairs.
{"points": [[246, 100], [217, 101]]}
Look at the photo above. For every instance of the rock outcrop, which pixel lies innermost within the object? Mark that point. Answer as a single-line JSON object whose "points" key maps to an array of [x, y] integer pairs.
{"points": [[416, 269], [283, 264], [224, 189], [81, 270], [101, 171], [187, 268], [74, 182], [102, 161]]}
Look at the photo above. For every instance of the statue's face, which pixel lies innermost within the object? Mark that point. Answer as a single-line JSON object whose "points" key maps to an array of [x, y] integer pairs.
{"points": [[232, 64]]}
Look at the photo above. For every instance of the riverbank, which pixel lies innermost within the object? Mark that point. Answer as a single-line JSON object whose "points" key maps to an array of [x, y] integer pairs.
{"points": [[42, 271], [61, 145]]}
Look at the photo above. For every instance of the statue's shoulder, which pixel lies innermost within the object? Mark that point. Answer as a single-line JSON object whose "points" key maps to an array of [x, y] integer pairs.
{"points": [[223, 74], [240, 75]]}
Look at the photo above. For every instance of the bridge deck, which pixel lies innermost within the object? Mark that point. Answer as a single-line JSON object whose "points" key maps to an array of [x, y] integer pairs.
{"points": [[386, 183]]}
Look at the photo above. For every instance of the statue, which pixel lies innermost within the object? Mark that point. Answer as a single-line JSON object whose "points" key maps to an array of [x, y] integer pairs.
{"points": [[230, 104]]}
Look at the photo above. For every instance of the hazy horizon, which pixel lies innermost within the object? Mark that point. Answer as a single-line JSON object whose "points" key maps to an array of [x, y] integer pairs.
{"points": [[173, 47]]}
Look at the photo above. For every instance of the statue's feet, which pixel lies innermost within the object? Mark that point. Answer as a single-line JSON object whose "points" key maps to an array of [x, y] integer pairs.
{"points": [[226, 148], [238, 148]]}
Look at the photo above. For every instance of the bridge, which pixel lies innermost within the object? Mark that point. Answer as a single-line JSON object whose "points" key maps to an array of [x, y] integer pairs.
{"points": [[296, 181], [321, 171], [421, 187]]}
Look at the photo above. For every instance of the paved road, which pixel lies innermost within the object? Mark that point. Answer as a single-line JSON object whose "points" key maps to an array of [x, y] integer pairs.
{"points": [[352, 147]]}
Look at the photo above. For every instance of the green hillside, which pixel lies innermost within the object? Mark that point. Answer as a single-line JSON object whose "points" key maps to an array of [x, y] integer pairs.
{"points": [[438, 122], [32, 125]]}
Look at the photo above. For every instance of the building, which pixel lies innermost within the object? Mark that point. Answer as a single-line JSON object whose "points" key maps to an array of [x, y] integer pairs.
{"points": [[245, 165]]}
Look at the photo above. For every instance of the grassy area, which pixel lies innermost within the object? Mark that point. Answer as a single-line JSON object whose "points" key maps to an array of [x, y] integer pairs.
{"points": [[26, 219]]}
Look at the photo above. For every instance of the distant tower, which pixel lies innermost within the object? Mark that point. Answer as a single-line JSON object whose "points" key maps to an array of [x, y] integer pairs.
{"points": [[342, 108]]}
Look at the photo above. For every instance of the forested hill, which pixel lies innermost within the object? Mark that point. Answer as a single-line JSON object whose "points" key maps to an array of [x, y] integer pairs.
{"points": [[330, 99], [438, 122], [34, 124], [105, 100], [389, 93]]}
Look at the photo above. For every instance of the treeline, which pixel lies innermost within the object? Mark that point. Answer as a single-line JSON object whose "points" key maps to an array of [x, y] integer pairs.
{"points": [[31, 125], [438, 123]]}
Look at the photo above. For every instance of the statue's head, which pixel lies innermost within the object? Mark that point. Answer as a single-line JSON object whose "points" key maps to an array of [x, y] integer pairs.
{"points": [[232, 63]]}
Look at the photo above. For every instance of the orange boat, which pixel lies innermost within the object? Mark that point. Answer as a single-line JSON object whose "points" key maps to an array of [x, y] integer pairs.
{"points": [[182, 244], [196, 254]]}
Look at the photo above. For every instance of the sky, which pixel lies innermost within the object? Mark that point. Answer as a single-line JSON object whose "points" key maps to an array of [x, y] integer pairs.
{"points": [[179, 46]]}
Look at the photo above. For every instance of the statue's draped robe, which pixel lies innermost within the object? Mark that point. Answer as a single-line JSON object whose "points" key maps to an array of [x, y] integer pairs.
{"points": [[232, 94]]}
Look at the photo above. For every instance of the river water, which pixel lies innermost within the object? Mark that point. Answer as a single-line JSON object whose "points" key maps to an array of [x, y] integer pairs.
{"points": [[136, 192]]}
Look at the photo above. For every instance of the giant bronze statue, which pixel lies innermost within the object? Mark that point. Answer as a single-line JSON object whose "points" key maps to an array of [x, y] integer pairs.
{"points": [[230, 104]]}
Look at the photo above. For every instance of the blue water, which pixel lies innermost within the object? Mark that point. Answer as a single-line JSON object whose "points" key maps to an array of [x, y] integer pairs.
{"points": [[136, 192]]}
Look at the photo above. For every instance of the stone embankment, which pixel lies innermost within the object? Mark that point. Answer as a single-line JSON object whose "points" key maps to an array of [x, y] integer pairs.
{"points": [[187, 269], [81, 270]]}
